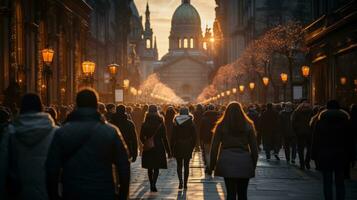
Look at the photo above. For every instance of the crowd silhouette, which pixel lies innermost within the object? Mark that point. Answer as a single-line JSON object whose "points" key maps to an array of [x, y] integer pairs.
{"points": [[84, 151]]}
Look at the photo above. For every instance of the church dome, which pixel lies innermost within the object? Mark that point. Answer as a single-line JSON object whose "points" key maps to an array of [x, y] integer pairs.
{"points": [[186, 14]]}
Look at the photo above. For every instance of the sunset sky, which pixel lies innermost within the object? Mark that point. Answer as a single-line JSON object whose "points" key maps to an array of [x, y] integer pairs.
{"points": [[162, 11]]}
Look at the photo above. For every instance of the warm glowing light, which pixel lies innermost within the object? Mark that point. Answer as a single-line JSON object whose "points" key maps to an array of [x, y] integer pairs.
{"points": [[218, 96], [355, 82], [140, 92], [284, 77], [113, 69], [266, 81], [211, 39], [305, 70], [228, 92], [126, 83], [47, 55], [222, 94], [88, 67], [252, 85], [343, 80], [63, 90], [241, 88], [234, 90]]}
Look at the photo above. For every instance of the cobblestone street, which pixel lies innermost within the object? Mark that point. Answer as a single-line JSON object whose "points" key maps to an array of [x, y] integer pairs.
{"points": [[275, 180]]}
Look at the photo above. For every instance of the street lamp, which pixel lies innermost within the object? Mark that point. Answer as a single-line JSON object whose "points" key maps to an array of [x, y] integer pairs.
{"points": [[88, 68], [47, 56], [284, 79], [241, 88], [305, 70], [126, 83], [265, 81], [343, 80], [251, 87], [113, 71]]}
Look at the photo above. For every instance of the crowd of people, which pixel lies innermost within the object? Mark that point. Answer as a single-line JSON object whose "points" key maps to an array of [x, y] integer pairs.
{"points": [[84, 151]]}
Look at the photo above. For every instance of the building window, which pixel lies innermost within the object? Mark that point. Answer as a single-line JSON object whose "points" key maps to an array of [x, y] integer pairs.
{"points": [[148, 43], [185, 43], [179, 43], [192, 43]]}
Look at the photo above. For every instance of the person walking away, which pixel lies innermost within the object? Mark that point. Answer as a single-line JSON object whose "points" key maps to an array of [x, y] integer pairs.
{"points": [[269, 122], [332, 149], [300, 120], [155, 145], [197, 119], [235, 139], [289, 138], [4, 151], [30, 139], [209, 120], [127, 128], [169, 121], [82, 155], [183, 142]]}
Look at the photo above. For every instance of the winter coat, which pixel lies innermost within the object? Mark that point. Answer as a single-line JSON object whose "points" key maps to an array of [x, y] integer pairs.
{"points": [[137, 117], [155, 158], [127, 128], [269, 128], [169, 124], [85, 149], [208, 122], [300, 120], [238, 153], [184, 136], [285, 123], [4, 158], [331, 146], [30, 140]]}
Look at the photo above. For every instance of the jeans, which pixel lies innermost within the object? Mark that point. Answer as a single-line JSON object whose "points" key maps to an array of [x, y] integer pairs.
{"points": [[183, 163], [328, 184], [237, 188]]}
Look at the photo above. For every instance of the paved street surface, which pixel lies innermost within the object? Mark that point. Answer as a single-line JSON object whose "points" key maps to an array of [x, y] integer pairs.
{"points": [[275, 180]]}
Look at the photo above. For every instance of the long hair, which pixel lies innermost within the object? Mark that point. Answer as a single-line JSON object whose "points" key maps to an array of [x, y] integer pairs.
{"points": [[234, 119]]}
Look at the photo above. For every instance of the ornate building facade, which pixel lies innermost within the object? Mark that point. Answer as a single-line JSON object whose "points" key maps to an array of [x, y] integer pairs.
{"points": [[28, 27], [187, 66]]}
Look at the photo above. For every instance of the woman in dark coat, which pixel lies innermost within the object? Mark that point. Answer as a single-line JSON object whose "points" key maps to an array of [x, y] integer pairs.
{"points": [[183, 142], [169, 118], [154, 157], [235, 139]]}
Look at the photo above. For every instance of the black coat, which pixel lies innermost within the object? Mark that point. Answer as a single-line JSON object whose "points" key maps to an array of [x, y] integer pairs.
{"points": [[183, 139], [127, 128], [332, 147], [285, 124], [155, 158], [209, 120], [85, 148], [300, 120], [269, 128]]}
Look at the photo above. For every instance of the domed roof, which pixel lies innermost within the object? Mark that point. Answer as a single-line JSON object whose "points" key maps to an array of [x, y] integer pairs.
{"points": [[186, 14]]}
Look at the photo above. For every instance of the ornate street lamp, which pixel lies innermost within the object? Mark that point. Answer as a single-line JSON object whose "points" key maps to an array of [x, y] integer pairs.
{"points": [[284, 79], [47, 56], [234, 90], [305, 70], [251, 85], [265, 81], [88, 69], [241, 88], [113, 71]]}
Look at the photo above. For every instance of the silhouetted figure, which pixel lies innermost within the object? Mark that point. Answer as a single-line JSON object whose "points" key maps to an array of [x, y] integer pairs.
{"points": [[289, 138], [235, 139], [155, 145], [197, 119], [31, 136], [332, 149], [82, 155], [127, 129], [169, 121], [183, 142]]}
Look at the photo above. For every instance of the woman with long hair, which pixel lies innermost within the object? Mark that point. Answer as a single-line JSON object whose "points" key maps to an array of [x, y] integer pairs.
{"points": [[155, 145], [183, 141], [235, 135]]}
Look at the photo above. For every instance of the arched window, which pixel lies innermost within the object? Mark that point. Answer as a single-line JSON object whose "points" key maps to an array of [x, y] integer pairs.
{"points": [[179, 43], [148, 43], [185, 43], [192, 41]]}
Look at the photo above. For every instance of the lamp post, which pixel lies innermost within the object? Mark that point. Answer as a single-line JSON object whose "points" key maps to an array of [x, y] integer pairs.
{"points": [[88, 68], [241, 92], [251, 87], [284, 79], [305, 71], [113, 71], [47, 56], [265, 80], [126, 85], [234, 91]]}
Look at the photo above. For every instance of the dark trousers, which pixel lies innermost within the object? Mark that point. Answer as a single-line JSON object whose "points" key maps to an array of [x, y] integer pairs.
{"points": [[290, 148], [237, 188], [153, 175], [185, 164], [339, 183], [304, 141]]}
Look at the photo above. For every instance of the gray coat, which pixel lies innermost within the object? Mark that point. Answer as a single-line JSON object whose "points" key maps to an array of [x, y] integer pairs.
{"points": [[30, 141]]}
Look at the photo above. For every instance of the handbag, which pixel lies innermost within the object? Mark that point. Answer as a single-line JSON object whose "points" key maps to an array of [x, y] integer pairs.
{"points": [[149, 143]]}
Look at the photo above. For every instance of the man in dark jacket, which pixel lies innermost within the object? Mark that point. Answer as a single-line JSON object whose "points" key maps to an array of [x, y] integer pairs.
{"points": [[332, 148], [289, 139], [127, 128], [83, 152]]}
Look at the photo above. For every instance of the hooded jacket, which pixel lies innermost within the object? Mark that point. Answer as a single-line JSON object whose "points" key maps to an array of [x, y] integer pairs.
{"points": [[31, 137], [184, 136]]}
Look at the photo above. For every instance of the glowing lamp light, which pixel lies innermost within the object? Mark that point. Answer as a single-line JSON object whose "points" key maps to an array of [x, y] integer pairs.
{"points": [[252, 85], [211, 39], [218, 96], [305, 70], [284, 77], [241, 88], [47, 55], [126, 83], [222, 94], [343, 80], [140, 92], [63, 90], [113, 69], [234, 90], [88, 67], [266, 81], [228, 92], [355, 82]]}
